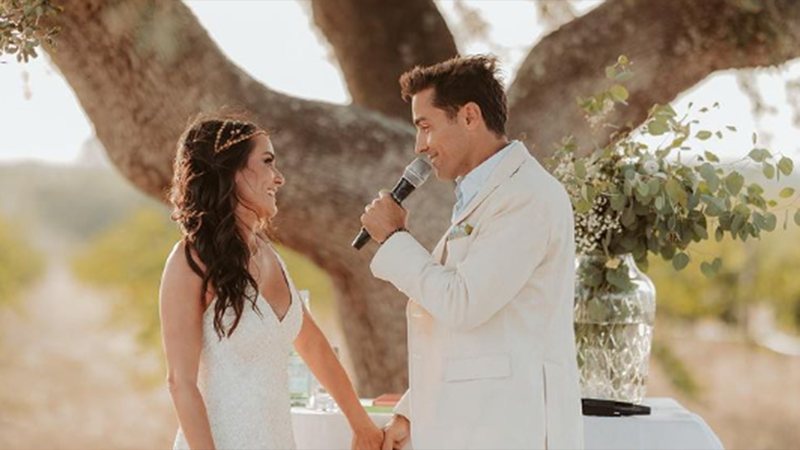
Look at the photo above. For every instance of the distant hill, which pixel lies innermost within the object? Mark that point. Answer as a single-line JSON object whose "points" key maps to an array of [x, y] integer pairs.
{"points": [[71, 201]]}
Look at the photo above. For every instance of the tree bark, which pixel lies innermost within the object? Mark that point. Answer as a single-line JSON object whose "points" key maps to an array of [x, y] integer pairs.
{"points": [[139, 85], [375, 41], [674, 44]]}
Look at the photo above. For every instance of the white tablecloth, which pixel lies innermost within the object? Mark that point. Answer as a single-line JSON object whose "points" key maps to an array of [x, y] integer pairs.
{"points": [[669, 426]]}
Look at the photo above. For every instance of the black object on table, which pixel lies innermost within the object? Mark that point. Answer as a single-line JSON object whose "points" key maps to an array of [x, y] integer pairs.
{"points": [[612, 408]]}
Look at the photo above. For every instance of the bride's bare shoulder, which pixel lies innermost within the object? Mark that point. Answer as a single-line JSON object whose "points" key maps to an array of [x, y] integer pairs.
{"points": [[183, 271], [184, 257]]}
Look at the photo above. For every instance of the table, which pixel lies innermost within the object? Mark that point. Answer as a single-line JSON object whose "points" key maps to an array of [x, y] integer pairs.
{"points": [[669, 426]]}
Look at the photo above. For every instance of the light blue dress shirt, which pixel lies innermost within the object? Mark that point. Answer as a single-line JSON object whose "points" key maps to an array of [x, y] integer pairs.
{"points": [[468, 186]]}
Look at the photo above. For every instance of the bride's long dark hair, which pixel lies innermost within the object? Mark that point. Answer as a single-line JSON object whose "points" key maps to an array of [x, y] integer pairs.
{"points": [[210, 153]]}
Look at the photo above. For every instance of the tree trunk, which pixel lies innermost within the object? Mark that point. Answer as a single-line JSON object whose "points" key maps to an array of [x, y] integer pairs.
{"points": [[674, 44], [375, 41]]}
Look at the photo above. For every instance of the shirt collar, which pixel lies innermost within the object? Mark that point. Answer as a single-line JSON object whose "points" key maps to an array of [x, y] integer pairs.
{"points": [[470, 184]]}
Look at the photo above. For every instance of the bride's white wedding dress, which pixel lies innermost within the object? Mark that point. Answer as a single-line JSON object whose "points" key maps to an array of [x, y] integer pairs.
{"points": [[243, 379]]}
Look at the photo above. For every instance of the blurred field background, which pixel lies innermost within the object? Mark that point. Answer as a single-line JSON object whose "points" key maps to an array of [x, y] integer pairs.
{"points": [[81, 254]]}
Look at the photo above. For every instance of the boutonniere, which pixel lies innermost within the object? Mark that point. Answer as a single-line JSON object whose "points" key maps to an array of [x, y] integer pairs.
{"points": [[461, 230]]}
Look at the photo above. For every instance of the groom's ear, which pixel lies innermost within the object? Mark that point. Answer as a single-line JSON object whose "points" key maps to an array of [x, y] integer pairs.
{"points": [[472, 115]]}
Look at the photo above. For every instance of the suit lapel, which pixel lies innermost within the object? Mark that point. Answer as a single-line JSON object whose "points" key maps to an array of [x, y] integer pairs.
{"points": [[438, 251]]}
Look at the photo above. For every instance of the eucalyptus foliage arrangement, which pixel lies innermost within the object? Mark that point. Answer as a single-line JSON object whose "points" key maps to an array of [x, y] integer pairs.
{"points": [[630, 197]]}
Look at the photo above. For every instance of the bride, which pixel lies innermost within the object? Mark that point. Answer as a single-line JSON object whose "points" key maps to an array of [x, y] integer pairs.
{"points": [[230, 312]]}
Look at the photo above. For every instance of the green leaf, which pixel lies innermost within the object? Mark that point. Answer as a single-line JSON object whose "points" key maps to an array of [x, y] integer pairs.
{"points": [[664, 112], [769, 170], [730, 127], [715, 206], [700, 231], [618, 93], [675, 192], [771, 221], [785, 165], [711, 269], [742, 210], [657, 127], [703, 135], [755, 189], [618, 202], [711, 157], [758, 154], [618, 279], [755, 137], [709, 174], [759, 220], [734, 182], [737, 223], [628, 217], [786, 192], [797, 217], [719, 234], [680, 261], [655, 186], [582, 206], [580, 169]]}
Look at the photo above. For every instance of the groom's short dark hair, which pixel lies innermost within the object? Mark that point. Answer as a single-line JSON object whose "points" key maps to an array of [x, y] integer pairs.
{"points": [[461, 80]]}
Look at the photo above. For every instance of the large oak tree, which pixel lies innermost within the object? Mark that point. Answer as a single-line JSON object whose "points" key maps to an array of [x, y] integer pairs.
{"points": [[140, 68]]}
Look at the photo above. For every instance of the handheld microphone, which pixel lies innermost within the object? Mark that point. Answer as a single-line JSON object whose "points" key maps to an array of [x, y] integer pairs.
{"points": [[415, 174]]}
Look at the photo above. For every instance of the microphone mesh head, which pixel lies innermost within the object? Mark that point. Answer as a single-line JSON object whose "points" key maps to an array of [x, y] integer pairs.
{"points": [[417, 172]]}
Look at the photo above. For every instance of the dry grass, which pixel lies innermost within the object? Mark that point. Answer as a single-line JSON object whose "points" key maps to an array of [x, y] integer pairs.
{"points": [[70, 381], [749, 396]]}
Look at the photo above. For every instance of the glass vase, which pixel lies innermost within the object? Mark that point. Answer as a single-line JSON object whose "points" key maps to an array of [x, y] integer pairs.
{"points": [[613, 330]]}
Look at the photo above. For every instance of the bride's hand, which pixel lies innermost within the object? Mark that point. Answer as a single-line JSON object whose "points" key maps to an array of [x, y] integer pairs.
{"points": [[367, 437]]}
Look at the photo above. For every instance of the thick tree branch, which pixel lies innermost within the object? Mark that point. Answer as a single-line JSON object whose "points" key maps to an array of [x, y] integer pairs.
{"points": [[674, 44], [377, 40]]}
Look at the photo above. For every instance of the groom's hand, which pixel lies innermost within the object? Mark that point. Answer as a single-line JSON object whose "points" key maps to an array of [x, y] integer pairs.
{"points": [[396, 433], [383, 216]]}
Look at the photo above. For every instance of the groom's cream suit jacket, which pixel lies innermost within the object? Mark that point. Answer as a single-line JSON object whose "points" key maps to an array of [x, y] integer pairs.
{"points": [[490, 330]]}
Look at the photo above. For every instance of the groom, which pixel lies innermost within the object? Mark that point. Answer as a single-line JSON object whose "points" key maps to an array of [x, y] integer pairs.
{"points": [[490, 331]]}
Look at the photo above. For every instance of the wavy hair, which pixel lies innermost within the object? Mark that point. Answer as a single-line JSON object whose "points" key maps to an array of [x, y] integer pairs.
{"points": [[204, 198]]}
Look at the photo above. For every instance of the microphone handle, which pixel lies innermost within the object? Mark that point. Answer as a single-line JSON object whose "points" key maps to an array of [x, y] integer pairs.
{"points": [[361, 240], [401, 190], [399, 193]]}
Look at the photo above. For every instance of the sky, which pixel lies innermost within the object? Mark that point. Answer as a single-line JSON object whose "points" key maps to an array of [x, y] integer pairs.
{"points": [[41, 119]]}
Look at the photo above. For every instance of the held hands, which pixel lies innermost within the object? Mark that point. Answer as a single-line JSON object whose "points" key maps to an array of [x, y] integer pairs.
{"points": [[383, 216], [396, 433], [367, 437]]}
